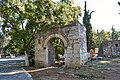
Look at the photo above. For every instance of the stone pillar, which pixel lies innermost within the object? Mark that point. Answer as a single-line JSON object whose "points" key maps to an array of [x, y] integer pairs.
{"points": [[46, 56], [72, 58]]}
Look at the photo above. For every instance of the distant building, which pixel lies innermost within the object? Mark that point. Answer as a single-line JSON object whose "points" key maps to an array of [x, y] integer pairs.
{"points": [[110, 48]]}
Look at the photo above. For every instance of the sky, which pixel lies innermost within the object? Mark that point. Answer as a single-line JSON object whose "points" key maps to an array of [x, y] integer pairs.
{"points": [[106, 13]]}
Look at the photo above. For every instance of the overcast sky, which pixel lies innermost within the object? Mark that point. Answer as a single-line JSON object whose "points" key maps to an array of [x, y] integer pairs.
{"points": [[106, 13]]}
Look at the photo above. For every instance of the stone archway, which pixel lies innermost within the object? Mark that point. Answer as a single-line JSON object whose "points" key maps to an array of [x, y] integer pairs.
{"points": [[74, 39]]}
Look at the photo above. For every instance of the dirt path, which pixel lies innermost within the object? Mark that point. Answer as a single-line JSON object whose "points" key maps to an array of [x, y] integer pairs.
{"points": [[107, 69]]}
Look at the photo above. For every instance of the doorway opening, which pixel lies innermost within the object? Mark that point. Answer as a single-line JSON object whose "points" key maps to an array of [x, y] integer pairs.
{"points": [[56, 52]]}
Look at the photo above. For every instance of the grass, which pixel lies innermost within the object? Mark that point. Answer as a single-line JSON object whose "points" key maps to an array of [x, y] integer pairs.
{"points": [[85, 75]]}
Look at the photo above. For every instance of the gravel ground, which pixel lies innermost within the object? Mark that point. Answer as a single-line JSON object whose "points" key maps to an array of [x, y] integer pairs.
{"points": [[106, 69]]}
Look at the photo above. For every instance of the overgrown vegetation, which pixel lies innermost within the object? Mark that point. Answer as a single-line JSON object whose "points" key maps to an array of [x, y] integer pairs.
{"points": [[85, 75], [59, 48]]}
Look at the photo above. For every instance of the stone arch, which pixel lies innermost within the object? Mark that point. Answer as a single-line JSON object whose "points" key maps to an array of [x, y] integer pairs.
{"points": [[56, 35]]}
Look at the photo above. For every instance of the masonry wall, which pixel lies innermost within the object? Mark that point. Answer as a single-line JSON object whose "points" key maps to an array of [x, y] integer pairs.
{"points": [[73, 50], [111, 48], [83, 45]]}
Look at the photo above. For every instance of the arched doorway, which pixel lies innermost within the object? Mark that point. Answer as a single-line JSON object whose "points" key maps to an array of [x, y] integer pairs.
{"points": [[55, 50]]}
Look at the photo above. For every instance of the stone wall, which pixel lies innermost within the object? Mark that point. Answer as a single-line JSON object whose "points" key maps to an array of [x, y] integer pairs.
{"points": [[111, 48], [74, 39]]}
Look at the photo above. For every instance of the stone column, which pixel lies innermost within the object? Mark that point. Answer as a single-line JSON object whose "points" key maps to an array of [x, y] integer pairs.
{"points": [[46, 56]]}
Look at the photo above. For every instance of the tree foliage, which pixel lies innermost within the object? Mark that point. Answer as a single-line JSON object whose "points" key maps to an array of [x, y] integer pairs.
{"points": [[59, 48], [87, 24], [100, 36], [118, 3], [15, 15], [24, 18], [114, 34], [21, 19]]}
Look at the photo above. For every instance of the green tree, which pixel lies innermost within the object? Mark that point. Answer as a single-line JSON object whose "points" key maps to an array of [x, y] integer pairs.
{"points": [[115, 35], [119, 3], [100, 36], [24, 18], [1, 41], [4, 41], [59, 48], [87, 24], [95, 38], [103, 35], [15, 14]]}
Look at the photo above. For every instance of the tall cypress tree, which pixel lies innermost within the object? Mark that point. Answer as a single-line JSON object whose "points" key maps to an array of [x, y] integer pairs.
{"points": [[87, 24]]}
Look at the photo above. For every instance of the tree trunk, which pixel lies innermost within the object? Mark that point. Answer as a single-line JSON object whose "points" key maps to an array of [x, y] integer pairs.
{"points": [[29, 56], [26, 59], [26, 49]]}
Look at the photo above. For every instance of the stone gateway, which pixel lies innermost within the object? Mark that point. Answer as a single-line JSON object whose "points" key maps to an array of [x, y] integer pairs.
{"points": [[75, 47]]}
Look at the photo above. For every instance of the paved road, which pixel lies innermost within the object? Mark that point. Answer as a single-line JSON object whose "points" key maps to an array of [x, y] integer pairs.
{"points": [[11, 70]]}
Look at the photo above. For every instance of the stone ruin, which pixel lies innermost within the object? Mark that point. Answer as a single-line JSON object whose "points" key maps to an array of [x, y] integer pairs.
{"points": [[75, 47], [110, 48]]}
